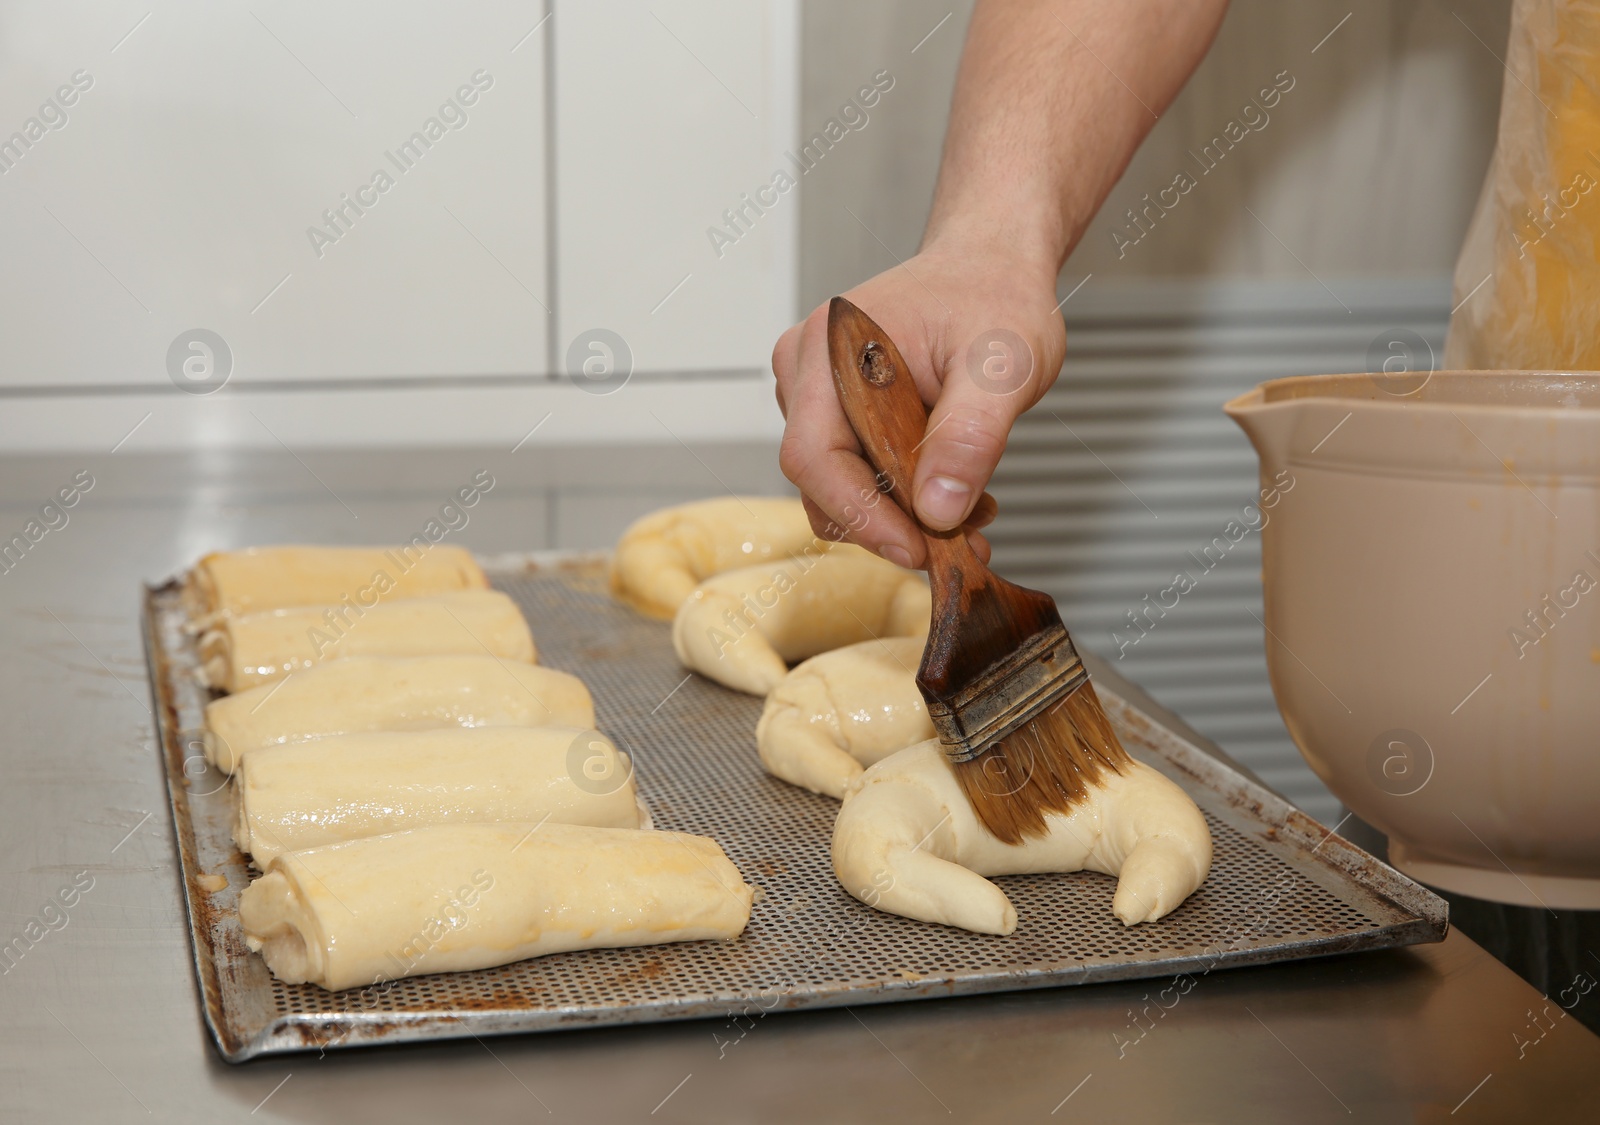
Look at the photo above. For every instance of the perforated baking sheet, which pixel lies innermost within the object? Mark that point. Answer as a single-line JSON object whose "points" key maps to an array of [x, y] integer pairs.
{"points": [[1281, 887]]}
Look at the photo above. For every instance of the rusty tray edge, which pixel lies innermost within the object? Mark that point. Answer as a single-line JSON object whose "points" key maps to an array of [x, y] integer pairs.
{"points": [[232, 1048]]}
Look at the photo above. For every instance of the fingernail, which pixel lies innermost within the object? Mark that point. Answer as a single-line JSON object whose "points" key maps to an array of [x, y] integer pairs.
{"points": [[943, 501], [896, 555]]}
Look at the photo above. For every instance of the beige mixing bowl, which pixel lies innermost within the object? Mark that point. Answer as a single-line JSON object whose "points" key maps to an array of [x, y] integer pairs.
{"points": [[1432, 575]]}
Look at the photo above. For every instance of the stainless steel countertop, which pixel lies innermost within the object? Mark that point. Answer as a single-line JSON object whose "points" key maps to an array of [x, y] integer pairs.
{"points": [[99, 1019]]}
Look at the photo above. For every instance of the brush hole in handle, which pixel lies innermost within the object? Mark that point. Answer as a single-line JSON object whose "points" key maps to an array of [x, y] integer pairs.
{"points": [[879, 398]]}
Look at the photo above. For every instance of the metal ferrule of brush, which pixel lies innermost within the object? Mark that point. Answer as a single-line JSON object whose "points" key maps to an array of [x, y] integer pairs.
{"points": [[1009, 695]]}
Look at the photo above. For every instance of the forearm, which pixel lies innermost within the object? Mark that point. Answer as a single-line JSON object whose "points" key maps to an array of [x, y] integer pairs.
{"points": [[1052, 99]]}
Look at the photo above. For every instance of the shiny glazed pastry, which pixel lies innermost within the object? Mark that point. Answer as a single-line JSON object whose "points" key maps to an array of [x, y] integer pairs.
{"points": [[473, 896], [262, 578], [841, 711], [907, 842], [363, 693], [345, 786], [740, 628], [260, 648], [661, 558]]}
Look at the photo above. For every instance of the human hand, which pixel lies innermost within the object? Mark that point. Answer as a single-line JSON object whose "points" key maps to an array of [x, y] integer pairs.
{"points": [[984, 342]]}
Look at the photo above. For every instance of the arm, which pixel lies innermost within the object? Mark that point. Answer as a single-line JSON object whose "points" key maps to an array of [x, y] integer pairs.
{"points": [[1052, 99]]}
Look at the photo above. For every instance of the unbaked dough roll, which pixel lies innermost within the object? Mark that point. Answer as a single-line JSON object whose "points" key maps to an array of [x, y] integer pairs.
{"points": [[841, 711], [260, 648], [662, 556], [907, 842], [472, 896], [345, 786], [262, 578], [740, 628], [362, 693]]}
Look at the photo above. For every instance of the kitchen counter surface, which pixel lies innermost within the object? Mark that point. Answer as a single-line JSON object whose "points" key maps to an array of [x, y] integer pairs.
{"points": [[99, 1019]]}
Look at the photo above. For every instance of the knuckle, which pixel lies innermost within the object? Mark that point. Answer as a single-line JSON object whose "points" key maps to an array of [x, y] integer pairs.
{"points": [[971, 435], [793, 457], [783, 353]]}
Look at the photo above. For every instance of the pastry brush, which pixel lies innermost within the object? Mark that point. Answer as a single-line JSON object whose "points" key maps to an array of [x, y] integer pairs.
{"points": [[1019, 721]]}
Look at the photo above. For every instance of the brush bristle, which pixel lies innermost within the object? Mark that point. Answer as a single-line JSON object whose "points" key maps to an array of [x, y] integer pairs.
{"points": [[1043, 767]]}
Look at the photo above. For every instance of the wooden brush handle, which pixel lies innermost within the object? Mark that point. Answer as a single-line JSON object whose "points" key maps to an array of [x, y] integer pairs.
{"points": [[881, 401], [978, 616]]}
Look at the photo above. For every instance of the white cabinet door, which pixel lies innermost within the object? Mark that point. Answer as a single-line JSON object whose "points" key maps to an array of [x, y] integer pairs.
{"points": [[212, 172], [669, 114]]}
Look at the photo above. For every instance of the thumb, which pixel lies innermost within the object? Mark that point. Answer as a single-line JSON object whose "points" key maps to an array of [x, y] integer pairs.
{"points": [[966, 434]]}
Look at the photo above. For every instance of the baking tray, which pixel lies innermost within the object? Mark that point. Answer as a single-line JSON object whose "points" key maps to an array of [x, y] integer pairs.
{"points": [[1281, 886]]}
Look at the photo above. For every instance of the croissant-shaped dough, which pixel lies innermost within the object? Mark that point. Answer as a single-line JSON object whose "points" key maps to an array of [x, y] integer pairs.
{"points": [[260, 648], [345, 786], [661, 558], [907, 842], [262, 578], [393, 693], [741, 627], [472, 896], [841, 711]]}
